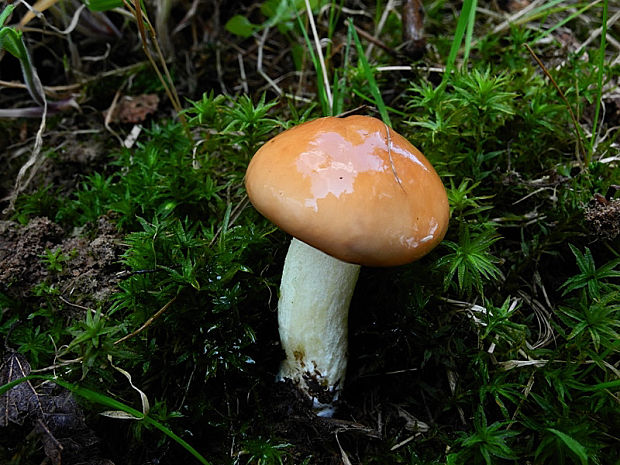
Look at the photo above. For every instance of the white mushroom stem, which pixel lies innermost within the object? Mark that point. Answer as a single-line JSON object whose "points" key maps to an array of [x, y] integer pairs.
{"points": [[315, 294]]}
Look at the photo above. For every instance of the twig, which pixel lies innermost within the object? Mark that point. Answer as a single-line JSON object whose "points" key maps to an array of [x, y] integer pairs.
{"points": [[81, 307], [244, 80], [64, 363], [527, 196], [110, 112], [404, 442], [220, 72], [54, 91], [186, 19], [373, 40], [259, 62]]}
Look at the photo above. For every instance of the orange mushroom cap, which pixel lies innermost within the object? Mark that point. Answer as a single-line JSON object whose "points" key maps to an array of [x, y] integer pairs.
{"points": [[351, 187]]}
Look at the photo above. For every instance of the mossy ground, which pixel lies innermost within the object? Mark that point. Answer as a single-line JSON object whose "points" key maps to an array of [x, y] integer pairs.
{"points": [[501, 346]]}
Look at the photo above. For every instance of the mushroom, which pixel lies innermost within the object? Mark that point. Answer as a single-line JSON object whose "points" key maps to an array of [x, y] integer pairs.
{"points": [[351, 192]]}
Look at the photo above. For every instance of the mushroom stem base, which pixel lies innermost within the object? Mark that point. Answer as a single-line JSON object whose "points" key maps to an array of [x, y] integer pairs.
{"points": [[315, 294]]}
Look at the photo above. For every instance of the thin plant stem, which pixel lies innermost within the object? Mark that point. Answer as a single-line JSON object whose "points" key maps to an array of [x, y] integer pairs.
{"points": [[33, 163], [168, 85], [372, 83], [147, 323], [580, 146], [467, 17], [321, 93], [471, 20], [599, 93], [319, 52]]}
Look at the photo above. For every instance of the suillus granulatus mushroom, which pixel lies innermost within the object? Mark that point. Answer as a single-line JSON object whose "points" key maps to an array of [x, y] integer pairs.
{"points": [[351, 191]]}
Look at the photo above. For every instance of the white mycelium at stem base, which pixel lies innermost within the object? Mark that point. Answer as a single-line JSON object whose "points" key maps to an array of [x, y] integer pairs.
{"points": [[315, 294]]}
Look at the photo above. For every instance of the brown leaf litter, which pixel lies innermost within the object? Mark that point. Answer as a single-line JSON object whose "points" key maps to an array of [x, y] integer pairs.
{"points": [[56, 419]]}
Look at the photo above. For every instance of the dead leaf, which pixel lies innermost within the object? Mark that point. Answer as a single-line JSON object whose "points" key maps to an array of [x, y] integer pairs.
{"points": [[62, 428], [412, 423], [60, 412], [133, 109], [22, 400], [52, 447], [56, 418]]}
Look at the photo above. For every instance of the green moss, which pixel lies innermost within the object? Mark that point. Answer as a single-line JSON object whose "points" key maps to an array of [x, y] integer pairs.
{"points": [[501, 342]]}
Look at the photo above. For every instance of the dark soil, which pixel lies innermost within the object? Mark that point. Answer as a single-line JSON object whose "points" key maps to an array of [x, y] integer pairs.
{"points": [[89, 269], [603, 217]]}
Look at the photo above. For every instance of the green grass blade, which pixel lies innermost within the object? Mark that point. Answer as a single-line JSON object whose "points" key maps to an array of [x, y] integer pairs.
{"points": [[12, 41], [340, 82], [368, 74], [334, 17], [373, 103], [542, 9], [599, 93], [572, 444], [471, 20], [102, 399], [608, 385], [461, 27], [320, 57], [322, 93], [5, 14], [225, 224], [103, 5]]}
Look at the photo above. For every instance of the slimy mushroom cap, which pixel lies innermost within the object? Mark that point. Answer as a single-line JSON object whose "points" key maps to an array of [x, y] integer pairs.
{"points": [[352, 188]]}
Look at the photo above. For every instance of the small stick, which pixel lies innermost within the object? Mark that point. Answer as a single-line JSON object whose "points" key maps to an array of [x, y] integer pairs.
{"points": [[259, 62], [374, 40], [148, 322], [570, 109], [110, 113], [244, 80]]}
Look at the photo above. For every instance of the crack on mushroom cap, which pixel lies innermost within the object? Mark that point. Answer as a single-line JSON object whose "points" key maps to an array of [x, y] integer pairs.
{"points": [[389, 152]]}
